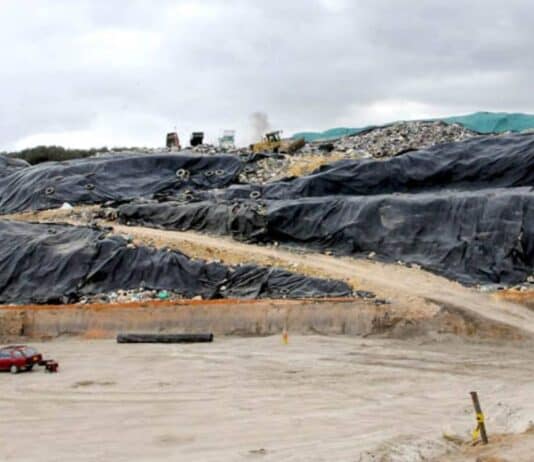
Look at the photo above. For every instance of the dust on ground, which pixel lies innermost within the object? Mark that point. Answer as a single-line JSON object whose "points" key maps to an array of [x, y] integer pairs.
{"points": [[315, 399]]}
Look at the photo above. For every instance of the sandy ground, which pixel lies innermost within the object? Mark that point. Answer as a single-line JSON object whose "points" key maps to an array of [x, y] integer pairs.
{"points": [[316, 399]]}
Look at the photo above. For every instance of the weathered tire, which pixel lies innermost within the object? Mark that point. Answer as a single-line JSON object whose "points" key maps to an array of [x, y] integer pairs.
{"points": [[14, 369]]}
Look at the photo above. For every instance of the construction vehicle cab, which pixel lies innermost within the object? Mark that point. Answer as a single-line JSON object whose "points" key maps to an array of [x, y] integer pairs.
{"points": [[197, 138], [173, 142], [227, 140], [273, 142], [273, 137]]}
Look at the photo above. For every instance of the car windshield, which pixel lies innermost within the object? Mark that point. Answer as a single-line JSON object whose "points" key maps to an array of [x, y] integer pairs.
{"points": [[28, 351], [17, 354]]}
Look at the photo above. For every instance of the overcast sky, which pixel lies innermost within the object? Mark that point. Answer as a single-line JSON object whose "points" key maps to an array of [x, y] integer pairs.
{"points": [[109, 72]]}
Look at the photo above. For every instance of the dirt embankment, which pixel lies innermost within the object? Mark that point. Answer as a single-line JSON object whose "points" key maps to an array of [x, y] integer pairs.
{"points": [[525, 298]]}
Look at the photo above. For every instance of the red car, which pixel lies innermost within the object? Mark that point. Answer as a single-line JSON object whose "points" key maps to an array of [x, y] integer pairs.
{"points": [[12, 360], [31, 354]]}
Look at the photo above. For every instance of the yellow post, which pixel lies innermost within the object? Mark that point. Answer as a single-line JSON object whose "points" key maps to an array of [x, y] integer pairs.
{"points": [[285, 337]]}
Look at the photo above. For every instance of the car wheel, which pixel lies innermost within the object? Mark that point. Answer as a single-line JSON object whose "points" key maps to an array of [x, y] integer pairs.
{"points": [[29, 368], [13, 369]]}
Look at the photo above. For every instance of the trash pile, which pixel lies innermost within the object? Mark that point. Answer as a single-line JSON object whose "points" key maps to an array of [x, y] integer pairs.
{"points": [[212, 149], [393, 139], [134, 295], [57, 263], [378, 143], [464, 210], [460, 206], [265, 168]]}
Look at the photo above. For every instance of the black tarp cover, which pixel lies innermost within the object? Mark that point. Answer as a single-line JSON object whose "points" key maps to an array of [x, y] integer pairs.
{"points": [[9, 165], [474, 237], [477, 163], [464, 210], [114, 177], [49, 263]]}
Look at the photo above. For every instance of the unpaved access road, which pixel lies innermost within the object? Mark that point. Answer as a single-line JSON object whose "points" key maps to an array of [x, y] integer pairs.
{"points": [[246, 399], [410, 286]]}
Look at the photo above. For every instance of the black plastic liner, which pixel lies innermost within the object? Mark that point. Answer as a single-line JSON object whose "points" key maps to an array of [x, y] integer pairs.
{"points": [[477, 163], [165, 338], [9, 165], [460, 209], [116, 177], [474, 237], [55, 263], [243, 220]]}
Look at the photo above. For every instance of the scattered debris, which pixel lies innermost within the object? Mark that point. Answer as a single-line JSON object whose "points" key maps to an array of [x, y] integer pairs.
{"points": [[394, 139], [379, 143]]}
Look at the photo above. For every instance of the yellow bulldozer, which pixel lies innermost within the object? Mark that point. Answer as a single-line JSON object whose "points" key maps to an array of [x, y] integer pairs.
{"points": [[272, 142]]}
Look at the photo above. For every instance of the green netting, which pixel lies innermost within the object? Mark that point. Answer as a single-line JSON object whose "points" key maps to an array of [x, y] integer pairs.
{"points": [[332, 134], [494, 122], [481, 122]]}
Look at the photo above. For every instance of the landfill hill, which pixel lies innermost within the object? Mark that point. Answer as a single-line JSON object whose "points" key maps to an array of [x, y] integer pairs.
{"points": [[429, 195], [401, 257]]}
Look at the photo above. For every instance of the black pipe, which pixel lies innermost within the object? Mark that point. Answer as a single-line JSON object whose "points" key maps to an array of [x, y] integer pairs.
{"points": [[164, 338]]}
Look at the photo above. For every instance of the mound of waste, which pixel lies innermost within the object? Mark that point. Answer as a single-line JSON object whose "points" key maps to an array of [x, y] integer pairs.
{"points": [[394, 139], [56, 263], [379, 142], [464, 210], [477, 163], [116, 177]]}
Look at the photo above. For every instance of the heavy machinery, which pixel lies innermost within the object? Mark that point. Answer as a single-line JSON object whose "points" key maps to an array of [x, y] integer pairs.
{"points": [[196, 138], [272, 142], [173, 142], [227, 140]]}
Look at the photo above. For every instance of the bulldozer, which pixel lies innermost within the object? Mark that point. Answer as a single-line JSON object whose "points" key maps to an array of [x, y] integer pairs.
{"points": [[272, 142]]}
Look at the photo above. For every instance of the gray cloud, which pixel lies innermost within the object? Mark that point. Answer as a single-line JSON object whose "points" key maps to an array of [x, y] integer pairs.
{"points": [[92, 73]]}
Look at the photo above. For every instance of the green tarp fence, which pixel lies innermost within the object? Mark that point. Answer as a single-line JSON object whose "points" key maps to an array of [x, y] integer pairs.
{"points": [[481, 122]]}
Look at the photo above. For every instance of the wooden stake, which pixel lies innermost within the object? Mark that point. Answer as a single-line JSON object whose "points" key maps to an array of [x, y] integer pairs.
{"points": [[481, 426]]}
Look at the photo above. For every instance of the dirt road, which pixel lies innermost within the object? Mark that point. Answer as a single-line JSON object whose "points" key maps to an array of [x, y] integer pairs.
{"points": [[404, 285], [316, 399]]}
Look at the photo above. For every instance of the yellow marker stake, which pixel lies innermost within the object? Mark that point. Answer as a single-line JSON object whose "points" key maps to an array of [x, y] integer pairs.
{"points": [[480, 430], [285, 337]]}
